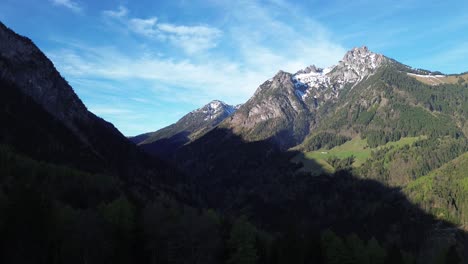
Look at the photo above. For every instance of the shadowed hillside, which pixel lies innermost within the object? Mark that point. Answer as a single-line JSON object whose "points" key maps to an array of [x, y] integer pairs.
{"points": [[282, 216], [257, 179]]}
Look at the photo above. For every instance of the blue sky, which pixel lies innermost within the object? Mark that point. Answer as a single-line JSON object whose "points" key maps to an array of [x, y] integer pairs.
{"points": [[143, 64]]}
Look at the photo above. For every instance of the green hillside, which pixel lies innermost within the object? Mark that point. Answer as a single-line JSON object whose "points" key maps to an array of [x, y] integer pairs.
{"points": [[357, 148], [444, 192]]}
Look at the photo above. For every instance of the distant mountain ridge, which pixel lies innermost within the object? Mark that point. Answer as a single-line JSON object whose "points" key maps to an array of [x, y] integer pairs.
{"points": [[188, 128]]}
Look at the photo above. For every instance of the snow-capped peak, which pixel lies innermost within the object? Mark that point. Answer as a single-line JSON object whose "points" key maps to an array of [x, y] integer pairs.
{"points": [[215, 109], [326, 83], [216, 104]]}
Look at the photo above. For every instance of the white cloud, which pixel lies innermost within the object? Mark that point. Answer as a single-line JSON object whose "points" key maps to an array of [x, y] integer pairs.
{"points": [[261, 43], [120, 13], [191, 39], [74, 6], [145, 27], [269, 39], [194, 81]]}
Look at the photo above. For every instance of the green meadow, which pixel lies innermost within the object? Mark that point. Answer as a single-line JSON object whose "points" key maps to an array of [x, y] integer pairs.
{"points": [[316, 161]]}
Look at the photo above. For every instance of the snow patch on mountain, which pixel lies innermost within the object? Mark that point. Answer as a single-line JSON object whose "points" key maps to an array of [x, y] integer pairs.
{"points": [[325, 83], [426, 75], [310, 80], [215, 109]]}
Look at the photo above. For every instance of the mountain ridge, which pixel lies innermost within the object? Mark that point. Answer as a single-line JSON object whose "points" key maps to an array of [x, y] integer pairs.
{"points": [[188, 128], [289, 107], [74, 136]]}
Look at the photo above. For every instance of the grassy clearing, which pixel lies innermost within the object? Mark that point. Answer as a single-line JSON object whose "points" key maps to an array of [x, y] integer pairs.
{"points": [[315, 166], [435, 80], [316, 161], [357, 147]]}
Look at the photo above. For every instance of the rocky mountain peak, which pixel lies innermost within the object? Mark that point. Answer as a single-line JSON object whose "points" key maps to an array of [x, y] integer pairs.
{"points": [[287, 101], [357, 64], [356, 52], [281, 76], [361, 58], [325, 83], [309, 69], [215, 109]]}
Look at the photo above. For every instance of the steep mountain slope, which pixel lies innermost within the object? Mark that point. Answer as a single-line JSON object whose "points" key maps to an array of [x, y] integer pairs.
{"points": [[285, 107], [361, 95], [444, 191], [274, 111], [190, 127], [241, 166], [47, 121], [389, 105], [364, 93], [366, 98], [73, 189]]}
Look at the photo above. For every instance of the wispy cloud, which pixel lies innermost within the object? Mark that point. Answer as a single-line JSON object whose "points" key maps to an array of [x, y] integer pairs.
{"points": [[122, 11], [191, 39], [186, 80], [70, 4], [146, 27], [252, 45], [277, 42]]}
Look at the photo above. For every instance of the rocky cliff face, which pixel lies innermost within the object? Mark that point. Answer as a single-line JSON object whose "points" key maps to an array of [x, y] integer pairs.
{"points": [[284, 107], [275, 111], [316, 85], [23, 64]]}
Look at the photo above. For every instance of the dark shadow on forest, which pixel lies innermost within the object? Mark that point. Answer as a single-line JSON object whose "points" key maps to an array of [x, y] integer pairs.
{"points": [[166, 147], [259, 180]]}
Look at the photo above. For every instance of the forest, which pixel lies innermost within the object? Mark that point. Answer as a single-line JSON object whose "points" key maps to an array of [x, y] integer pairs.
{"points": [[62, 215]]}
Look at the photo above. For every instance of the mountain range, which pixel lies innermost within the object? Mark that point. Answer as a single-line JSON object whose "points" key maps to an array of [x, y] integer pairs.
{"points": [[352, 98], [360, 162]]}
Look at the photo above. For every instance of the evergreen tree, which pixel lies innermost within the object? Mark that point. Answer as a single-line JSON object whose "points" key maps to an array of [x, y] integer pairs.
{"points": [[242, 242], [394, 256], [357, 248], [376, 254], [335, 250], [452, 256]]}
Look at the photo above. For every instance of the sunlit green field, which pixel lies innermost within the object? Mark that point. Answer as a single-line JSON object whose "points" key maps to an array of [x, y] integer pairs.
{"points": [[316, 161]]}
